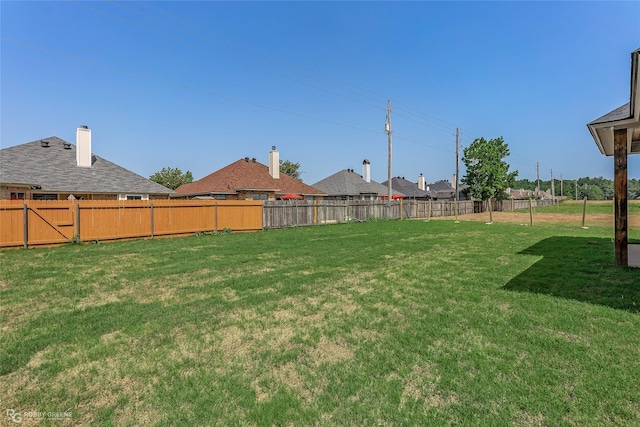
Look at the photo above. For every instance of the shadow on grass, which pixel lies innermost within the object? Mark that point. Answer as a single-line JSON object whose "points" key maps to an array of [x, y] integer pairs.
{"points": [[582, 269]]}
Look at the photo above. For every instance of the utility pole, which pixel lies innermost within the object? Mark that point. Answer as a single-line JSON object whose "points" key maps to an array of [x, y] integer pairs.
{"points": [[561, 185], [553, 189], [457, 170], [538, 175], [387, 129]]}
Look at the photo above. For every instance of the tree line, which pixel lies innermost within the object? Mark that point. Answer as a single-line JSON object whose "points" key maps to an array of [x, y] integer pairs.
{"points": [[592, 188]]}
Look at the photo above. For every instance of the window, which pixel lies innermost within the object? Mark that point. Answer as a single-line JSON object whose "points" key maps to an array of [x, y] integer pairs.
{"points": [[17, 196], [261, 196], [221, 197], [134, 197], [45, 197]]}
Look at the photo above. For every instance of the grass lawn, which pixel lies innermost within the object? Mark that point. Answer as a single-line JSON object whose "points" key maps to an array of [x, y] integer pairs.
{"points": [[395, 323], [593, 207]]}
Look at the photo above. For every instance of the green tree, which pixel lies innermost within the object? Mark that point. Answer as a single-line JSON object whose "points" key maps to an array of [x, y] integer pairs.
{"points": [[291, 169], [524, 184], [487, 174], [634, 188], [171, 177]]}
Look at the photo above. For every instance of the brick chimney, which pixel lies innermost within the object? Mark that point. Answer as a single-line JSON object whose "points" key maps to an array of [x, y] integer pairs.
{"points": [[83, 147]]}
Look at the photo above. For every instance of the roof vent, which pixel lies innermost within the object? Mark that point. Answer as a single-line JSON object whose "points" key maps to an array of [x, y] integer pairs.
{"points": [[246, 159], [44, 143], [66, 145], [253, 160], [84, 127]]}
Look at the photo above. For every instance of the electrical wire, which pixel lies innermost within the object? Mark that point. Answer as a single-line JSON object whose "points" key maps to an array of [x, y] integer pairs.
{"points": [[180, 85]]}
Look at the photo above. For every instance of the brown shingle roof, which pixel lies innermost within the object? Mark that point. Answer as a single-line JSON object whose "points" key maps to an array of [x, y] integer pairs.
{"points": [[244, 174]]}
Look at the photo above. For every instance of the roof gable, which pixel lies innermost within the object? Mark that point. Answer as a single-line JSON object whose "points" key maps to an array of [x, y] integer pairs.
{"points": [[246, 174], [54, 169]]}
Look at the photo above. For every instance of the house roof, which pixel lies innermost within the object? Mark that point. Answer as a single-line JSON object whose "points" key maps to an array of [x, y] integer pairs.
{"points": [[246, 174], [442, 189], [54, 169], [348, 183], [626, 116], [408, 188]]}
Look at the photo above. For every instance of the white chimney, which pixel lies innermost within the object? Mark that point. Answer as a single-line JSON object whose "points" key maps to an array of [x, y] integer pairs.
{"points": [[83, 147], [274, 163], [422, 183], [453, 180], [366, 170]]}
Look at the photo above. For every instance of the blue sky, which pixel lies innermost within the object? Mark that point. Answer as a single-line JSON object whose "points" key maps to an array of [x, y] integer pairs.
{"points": [[198, 85]]}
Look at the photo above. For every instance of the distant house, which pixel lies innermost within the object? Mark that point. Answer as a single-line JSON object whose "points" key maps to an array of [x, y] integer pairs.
{"points": [[248, 179], [531, 194], [348, 185], [54, 169], [411, 190], [442, 190]]}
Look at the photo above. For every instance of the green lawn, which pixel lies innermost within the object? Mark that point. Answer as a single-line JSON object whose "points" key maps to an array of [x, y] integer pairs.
{"points": [[394, 323], [593, 207]]}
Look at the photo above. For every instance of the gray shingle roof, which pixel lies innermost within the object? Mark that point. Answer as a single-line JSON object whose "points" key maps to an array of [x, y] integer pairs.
{"points": [[54, 169], [443, 189], [620, 113], [347, 183], [408, 188]]}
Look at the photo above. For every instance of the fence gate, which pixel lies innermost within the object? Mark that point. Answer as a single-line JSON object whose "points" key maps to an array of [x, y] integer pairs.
{"points": [[27, 223]]}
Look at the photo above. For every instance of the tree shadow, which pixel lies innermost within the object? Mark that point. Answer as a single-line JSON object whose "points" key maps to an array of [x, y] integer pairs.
{"points": [[582, 269]]}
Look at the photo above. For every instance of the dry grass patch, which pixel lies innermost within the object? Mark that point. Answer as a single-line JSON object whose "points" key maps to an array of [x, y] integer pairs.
{"points": [[328, 352]]}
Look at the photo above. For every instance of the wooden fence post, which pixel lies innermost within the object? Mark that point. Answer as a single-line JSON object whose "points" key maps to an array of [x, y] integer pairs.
{"points": [[151, 213], [315, 211], [490, 211], [531, 212], [215, 211], [26, 225], [584, 212], [78, 221]]}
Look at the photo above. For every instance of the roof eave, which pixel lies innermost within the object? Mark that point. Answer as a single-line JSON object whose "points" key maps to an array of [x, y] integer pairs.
{"points": [[602, 132], [635, 77]]}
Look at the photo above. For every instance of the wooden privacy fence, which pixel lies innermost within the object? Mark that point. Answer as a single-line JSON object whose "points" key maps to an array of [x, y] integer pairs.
{"points": [[37, 222], [296, 213]]}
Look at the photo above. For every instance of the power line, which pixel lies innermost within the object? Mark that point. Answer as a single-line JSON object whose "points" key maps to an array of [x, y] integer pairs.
{"points": [[435, 122], [179, 85], [210, 51]]}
